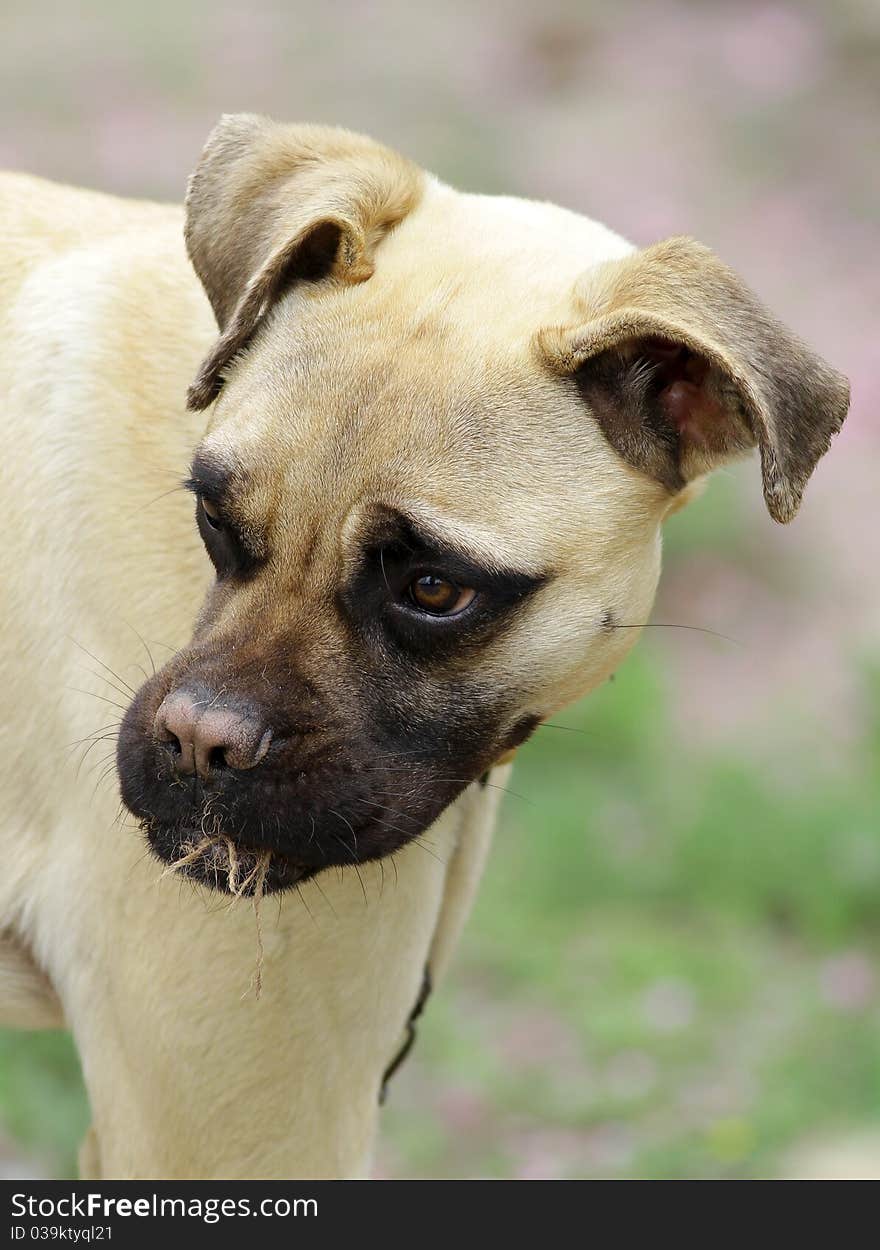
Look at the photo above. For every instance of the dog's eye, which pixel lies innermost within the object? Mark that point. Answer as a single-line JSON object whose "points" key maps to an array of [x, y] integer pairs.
{"points": [[210, 513], [437, 596]]}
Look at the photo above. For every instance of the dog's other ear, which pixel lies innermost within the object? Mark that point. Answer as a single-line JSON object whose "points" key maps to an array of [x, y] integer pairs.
{"points": [[269, 205], [684, 368]]}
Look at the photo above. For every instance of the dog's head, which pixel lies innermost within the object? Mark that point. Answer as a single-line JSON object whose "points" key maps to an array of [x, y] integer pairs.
{"points": [[447, 431]]}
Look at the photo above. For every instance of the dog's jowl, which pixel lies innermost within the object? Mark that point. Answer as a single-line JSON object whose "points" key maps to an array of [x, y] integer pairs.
{"points": [[429, 440]]}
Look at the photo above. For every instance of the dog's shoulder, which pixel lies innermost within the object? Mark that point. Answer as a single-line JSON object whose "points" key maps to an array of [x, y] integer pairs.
{"points": [[40, 219], [31, 206], [93, 285]]}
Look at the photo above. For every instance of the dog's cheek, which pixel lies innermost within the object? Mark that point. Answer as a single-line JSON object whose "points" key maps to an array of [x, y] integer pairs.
{"points": [[452, 726]]}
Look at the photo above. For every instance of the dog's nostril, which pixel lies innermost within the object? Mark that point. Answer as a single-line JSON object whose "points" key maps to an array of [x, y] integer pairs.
{"points": [[217, 759], [204, 737]]}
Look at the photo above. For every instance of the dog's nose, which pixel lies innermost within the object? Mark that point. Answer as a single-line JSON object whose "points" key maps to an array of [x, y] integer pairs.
{"points": [[204, 737]]}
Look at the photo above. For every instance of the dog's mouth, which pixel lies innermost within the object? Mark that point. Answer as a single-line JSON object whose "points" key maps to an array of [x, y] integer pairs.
{"points": [[308, 805], [214, 859]]}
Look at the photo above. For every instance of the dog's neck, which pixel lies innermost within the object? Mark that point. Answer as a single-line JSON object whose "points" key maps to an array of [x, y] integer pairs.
{"points": [[218, 1084]]}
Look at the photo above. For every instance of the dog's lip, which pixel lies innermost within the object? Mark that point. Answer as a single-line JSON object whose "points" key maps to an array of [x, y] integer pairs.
{"points": [[222, 860]]}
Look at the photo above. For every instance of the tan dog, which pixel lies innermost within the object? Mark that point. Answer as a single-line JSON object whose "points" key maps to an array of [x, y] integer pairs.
{"points": [[447, 431]]}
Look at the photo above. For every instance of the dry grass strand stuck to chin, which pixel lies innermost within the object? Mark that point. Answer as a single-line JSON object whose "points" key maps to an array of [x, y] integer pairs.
{"points": [[220, 856]]}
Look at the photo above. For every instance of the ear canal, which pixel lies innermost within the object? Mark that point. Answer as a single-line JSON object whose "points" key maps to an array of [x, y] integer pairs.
{"points": [[683, 367], [269, 205]]}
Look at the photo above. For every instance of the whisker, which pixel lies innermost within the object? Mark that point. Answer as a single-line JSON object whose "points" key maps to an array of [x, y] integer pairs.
{"points": [[468, 781], [316, 883], [101, 761], [142, 507], [91, 694], [698, 629], [103, 777], [353, 854], [125, 691], [392, 810], [351, 827], [111, 671], [97, 735], [418, 842], [164, 645], [145, 853], [382, 566], [386, 824], [302, 898]]}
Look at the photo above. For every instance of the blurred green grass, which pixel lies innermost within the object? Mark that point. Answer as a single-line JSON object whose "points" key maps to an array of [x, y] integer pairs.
{"points": [[668, 972], [693, 944]]}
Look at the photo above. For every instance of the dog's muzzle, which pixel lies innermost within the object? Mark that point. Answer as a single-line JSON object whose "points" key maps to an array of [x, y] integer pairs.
{"points": [[245, 799]]}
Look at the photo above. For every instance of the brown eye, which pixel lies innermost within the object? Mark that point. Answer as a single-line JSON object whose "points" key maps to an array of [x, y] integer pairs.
{"points": [[212, 516], [438, 596]]}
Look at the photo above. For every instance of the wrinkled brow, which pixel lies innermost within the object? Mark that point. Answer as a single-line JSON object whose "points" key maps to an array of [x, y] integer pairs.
{"points": [[426, 534], [476, 547]]}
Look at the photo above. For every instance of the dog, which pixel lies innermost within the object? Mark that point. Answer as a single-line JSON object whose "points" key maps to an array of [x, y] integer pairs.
{"points": [[443, 433]]}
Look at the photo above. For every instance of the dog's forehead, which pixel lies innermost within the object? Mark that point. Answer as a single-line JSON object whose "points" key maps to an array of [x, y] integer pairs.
{"points": [[422, 383]]}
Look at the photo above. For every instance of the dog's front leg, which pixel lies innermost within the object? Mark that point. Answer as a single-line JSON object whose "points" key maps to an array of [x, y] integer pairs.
{"points": [[89, 1157]]}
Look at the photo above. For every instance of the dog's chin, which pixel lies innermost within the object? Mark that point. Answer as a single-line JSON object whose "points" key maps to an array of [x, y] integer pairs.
{"points": [[222, 863]]}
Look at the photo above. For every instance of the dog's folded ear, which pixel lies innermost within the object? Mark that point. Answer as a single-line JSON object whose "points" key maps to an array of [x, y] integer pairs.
{"points": [[269, 205], [684, 368]]}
